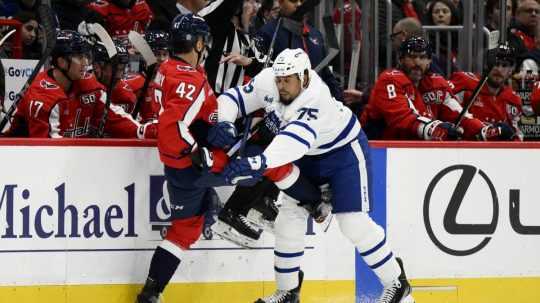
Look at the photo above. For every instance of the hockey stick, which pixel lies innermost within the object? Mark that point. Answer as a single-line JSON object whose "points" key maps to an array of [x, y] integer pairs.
{"points": [[493, 38], [45, 14], [107, 41], [6, 36], [247, 127], [137, 40]]}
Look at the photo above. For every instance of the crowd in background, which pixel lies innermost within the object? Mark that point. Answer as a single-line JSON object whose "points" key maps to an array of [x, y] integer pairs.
{"points": [[242, 31]]}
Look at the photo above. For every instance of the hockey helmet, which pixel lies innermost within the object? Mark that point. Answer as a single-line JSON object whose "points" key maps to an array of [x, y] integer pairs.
{"points": [[69, 43], [101, 55], [503, 54], [415, 44], [290, 62], [157, 39], [188, 28]]}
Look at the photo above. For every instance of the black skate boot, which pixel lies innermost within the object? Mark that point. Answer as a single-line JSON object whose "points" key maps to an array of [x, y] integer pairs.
{"points": [[264, 214], [285, 296], [236, 228], [398, 291], [149, 293]]}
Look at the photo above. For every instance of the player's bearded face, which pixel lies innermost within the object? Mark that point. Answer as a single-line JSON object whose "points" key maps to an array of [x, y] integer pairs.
{"points": [[415, 65], [500, 72], [289, 88]]}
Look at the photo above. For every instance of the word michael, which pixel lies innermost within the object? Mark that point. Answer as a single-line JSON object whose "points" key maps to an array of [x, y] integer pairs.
{"points": [[93, 221]]}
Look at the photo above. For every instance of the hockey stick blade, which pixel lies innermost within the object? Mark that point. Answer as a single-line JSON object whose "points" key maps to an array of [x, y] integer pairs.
{"points": [[493, 39], [104, 37], [107, 41], [137, 40], [46, 16]]}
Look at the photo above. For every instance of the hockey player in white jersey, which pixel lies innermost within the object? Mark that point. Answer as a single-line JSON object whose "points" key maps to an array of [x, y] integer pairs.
{"points": [[324, 139]]}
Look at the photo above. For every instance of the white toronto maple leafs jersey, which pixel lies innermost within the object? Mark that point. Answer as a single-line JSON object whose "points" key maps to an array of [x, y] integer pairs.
{"points": [[313, 124]]}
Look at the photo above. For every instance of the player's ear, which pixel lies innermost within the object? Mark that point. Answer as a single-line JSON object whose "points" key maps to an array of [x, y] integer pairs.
{"points": [[199, 45], [306, 79], [62, 63]]}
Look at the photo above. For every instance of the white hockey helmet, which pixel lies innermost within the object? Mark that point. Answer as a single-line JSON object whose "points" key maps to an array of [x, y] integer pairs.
{"points": [[291, 61]]}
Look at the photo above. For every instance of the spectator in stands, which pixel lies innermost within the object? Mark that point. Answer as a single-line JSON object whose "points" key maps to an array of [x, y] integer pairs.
{"points": [[70, 13], [295, 33], [444, 13], [123, 16], [411, 103], [527, 17], [493, 13], [497, 105], [269, 10], [29, 34]]}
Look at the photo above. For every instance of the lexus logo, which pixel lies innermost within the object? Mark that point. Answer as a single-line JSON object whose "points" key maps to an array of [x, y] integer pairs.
{"points": [[450, 224]]}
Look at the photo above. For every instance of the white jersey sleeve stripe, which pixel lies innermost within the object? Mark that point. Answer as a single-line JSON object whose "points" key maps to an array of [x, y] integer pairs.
{"points": [[295, 137], [240, 102], [304, 125], [344, 133], [194, 109]]}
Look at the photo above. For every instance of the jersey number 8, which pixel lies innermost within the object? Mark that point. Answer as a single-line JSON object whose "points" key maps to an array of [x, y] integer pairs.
{"points": [[391, 89]]}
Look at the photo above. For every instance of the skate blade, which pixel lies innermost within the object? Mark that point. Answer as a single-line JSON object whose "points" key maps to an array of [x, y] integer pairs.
{"points": [[408, 299], [228, 233], [254, 216]]}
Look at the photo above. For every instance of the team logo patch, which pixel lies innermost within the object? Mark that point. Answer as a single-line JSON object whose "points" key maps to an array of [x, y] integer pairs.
{"points": [[47, 85]]}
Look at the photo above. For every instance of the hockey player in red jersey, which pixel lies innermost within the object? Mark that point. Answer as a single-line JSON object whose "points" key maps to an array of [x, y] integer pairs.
{"points": [[150, 106], [122, 16], [188, 100], [122, 94], [410, 103], [67, 101], [497, 104]]}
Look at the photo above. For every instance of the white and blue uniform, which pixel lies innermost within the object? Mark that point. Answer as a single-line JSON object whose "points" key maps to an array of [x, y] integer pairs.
{"points": [[318, 133], [325, 140]]}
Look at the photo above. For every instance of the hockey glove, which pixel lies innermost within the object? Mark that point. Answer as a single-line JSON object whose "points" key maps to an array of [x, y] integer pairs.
{"points": [[148, 131], [222, 135], [437, 130], [245, 171], [320, 210], [499, 131]]}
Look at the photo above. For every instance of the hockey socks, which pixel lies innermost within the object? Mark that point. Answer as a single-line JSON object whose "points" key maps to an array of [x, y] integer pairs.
{"points": [[162, 267], [370, 241]]}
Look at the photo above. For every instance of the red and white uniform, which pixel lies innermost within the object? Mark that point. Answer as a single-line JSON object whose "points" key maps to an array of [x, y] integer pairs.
{"points": [[124, 96], [535, 98], [151, 105], [504, 107], [403, 109], [47, 111], [119, 21], [187, 97]]}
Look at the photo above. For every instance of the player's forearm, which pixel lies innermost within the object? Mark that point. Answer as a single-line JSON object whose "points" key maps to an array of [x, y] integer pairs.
{"points": [[284, 149]]}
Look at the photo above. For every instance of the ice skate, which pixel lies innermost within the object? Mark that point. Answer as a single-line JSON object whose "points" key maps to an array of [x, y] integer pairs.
{"points": [[285, 296], [399, 291], [236, 228]]}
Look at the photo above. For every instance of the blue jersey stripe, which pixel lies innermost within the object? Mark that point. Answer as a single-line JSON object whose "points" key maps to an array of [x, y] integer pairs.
{"points": [[288, 255], [286, 270], [241, 102], [342, 135], [379, 264], [304, 125], [232, 98], [296, 137]]}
